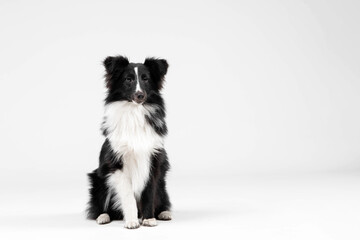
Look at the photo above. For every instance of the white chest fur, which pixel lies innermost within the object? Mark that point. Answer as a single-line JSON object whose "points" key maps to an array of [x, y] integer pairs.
{"points": [[132, 138]]}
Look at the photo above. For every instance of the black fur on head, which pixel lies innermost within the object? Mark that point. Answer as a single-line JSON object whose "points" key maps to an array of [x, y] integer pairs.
{"points": [[158, 69], [134, 82], [114, 65]]}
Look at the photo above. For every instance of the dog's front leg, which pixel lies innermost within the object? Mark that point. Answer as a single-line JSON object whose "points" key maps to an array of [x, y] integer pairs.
{"points": [[127, 200], [147, 203], [128, 204]]}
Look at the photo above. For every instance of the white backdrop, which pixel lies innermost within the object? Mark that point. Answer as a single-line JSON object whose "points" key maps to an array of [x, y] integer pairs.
{"points": [[254, 87]]}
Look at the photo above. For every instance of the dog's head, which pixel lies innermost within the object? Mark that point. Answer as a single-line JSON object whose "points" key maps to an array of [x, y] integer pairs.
{"points": [[134, 82]]}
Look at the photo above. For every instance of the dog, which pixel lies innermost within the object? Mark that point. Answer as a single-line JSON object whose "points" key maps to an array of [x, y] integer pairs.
{"points": [[129, 183]]}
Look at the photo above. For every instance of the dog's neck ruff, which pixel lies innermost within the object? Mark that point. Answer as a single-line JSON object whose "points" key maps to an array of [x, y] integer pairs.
{"points": [[127, 128]]}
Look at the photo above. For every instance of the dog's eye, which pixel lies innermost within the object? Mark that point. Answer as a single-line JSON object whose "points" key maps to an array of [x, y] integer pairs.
{"points": [[145, 79], [128, 79]]}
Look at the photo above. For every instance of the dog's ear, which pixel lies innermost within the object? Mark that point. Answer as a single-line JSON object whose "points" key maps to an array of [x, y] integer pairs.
{"points": [[113, 65], [158, 69]]}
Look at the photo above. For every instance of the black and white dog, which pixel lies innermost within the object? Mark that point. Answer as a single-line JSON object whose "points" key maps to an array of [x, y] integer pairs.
{"points": [[130, 181]]}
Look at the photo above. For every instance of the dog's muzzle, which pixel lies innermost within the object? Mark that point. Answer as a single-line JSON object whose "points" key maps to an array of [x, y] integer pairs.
{"points": [[139, 97]]}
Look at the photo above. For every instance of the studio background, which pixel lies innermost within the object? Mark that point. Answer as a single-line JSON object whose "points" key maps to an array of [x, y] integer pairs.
{"points": [[262, 99]]}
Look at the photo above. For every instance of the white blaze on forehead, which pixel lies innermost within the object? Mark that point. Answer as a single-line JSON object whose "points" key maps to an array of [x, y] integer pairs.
{"points": [[137, 80]]}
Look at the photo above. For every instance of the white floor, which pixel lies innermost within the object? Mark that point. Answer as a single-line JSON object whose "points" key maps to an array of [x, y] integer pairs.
{"points": [[311, 206]]}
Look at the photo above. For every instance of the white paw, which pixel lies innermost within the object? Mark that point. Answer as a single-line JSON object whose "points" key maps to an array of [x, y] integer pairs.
{"points": [[103, 218], [132, 224], [150, 222], [165, 215]]}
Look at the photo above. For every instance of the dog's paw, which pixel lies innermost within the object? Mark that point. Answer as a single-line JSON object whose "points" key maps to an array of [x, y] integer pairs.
{"points": [[132, 224], [150, 222], [103, 218], [165, 215]]}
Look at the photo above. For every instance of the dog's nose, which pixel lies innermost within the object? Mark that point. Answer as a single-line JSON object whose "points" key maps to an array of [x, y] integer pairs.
{"points": [[139, 97]]}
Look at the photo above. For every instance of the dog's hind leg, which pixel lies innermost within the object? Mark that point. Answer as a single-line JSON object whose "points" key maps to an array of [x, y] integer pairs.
{"points": [[103, 218], [165, 215], [99, 199], [162, 210], [162, 201]]}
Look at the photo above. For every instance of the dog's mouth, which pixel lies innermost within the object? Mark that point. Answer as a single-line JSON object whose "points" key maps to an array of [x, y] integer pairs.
{"points": [[137, 102]]}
